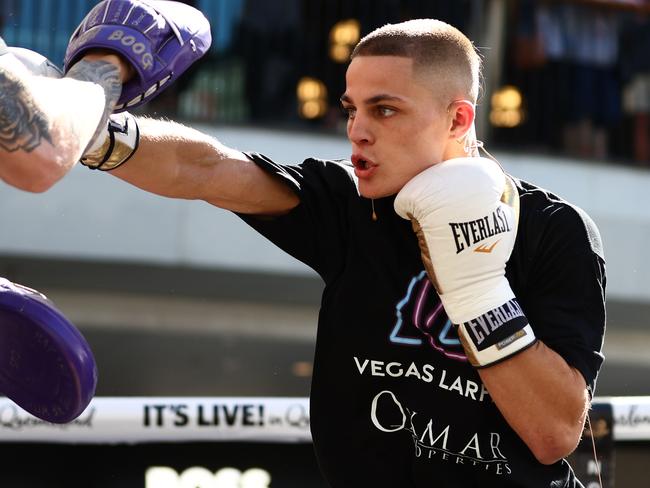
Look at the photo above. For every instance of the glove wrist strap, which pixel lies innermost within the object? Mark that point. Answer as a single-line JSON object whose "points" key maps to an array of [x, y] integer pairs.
{"points": [[496, 335], [119, 142]]}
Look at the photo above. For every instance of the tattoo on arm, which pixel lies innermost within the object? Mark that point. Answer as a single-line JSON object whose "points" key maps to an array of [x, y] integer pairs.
{"points": [[105, 74], [22, 124]]}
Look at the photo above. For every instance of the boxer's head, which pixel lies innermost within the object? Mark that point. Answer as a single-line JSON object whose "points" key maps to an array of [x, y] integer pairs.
{"points": [[410, 95]]}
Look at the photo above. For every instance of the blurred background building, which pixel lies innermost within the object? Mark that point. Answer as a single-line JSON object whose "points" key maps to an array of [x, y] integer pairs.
{"points": [[562, 77], [181, 298]]}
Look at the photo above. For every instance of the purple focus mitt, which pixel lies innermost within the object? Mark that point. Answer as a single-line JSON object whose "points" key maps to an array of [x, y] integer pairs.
{"points": [[159, 38], [46, 365]]}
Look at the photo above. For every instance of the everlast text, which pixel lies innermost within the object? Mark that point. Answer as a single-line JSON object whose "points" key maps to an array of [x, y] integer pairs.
{"points": [[467, 234]]}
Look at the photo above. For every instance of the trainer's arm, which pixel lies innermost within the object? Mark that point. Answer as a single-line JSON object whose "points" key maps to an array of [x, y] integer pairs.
{"points": [[176, 161], [46, 123]]}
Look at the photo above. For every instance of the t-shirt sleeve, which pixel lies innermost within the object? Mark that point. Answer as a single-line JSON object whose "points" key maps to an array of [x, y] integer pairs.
{"points": [[566, 305], [316, 231]]}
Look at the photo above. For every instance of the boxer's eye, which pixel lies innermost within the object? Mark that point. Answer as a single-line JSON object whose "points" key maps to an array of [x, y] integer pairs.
{"points": [[349, 111], [384, 111]]}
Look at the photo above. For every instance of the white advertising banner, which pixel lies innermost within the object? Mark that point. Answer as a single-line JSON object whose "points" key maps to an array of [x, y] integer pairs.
{"points": [[631, 417], [112, 420], [131, 420]]}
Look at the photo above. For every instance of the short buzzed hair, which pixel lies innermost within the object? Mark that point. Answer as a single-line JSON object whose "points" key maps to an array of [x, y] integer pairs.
{"points": [[434, 46]]}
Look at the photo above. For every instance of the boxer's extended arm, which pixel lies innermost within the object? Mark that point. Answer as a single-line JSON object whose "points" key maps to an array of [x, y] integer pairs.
{"points": [[46, 123], [176, 161]]}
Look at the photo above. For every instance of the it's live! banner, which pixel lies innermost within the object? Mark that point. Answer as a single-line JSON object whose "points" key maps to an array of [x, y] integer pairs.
{"points": [[111, 420]]}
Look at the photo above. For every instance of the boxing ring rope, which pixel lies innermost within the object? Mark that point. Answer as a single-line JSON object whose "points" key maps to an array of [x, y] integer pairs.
{"points": [[132, 420], [618, 423]]}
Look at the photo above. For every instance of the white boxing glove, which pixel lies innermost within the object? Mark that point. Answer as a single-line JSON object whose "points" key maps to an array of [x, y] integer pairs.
{"points": [[465, 213]]}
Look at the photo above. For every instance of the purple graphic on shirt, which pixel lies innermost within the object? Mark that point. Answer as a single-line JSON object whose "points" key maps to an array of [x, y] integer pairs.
{"points": [[421, 319]]}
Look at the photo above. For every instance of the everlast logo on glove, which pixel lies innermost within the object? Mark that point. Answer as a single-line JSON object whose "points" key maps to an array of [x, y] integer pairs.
{"points": [[496, 335], [489, 326], [467, 234]]}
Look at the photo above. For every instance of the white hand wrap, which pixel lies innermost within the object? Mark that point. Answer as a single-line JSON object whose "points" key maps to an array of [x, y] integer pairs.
{"points": [[115, 145], [465, 212]]}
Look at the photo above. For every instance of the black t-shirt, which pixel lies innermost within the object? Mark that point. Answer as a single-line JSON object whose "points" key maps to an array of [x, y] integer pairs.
{"points": [[394, 403]]}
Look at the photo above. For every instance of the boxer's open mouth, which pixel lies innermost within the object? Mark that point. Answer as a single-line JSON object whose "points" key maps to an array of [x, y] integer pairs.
{"points": [[360, 162]]}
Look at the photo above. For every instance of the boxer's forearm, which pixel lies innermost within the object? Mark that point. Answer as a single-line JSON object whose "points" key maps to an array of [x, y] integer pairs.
{"points": [[173, 160], [176, 161], [543, 399]]}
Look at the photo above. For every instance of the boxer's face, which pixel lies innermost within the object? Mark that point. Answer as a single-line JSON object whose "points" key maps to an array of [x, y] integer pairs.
{"points": [[395, 124]]}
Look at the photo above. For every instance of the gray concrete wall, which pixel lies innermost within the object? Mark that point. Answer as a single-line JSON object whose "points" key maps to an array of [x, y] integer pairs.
{"points": [[91, 216]]}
